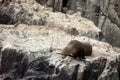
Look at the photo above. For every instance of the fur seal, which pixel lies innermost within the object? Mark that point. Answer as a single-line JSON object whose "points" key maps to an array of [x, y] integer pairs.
{"points": [[76, 48]]}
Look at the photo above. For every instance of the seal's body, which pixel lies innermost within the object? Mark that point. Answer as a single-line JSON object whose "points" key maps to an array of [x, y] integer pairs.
{"points": [[77, 49]]}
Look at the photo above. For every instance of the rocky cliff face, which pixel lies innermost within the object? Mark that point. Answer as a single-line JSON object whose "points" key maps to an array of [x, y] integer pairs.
{"points": [[30, 43], [104, 13], [26, 54]]}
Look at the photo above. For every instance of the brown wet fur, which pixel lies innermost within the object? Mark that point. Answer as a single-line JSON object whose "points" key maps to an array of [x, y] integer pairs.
{"points": [[76, 48]]}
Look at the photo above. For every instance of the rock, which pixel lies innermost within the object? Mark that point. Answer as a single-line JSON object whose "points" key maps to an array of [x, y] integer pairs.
{"points": [[26, 54], [35, 14], [104, 13], [93, 70], [13, 63], [39, 69], [30, 51], [111, 72]]}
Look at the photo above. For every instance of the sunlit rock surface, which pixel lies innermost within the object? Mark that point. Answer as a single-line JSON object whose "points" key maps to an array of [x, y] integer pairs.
{"points": [[29, 51], [35, 14], [26, 54]]}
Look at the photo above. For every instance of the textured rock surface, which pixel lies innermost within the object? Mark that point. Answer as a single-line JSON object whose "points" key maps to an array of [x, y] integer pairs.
{"points": [[26, 54], [35, 14], [111, 21], [104, 13], [29, 51]]}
